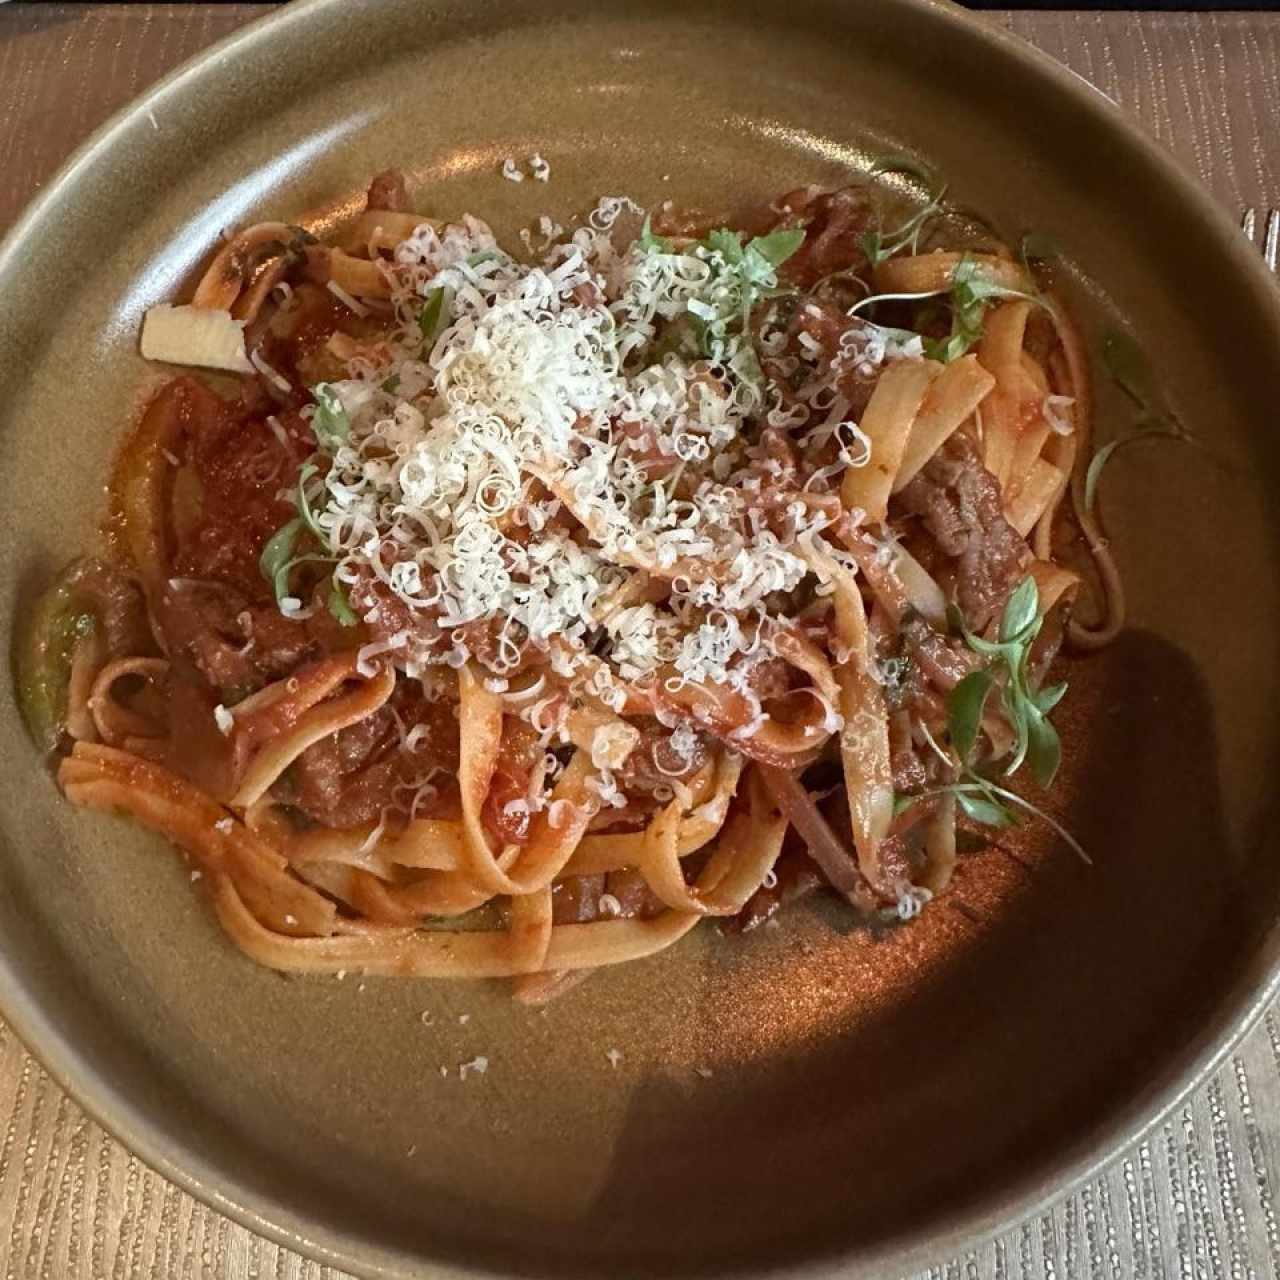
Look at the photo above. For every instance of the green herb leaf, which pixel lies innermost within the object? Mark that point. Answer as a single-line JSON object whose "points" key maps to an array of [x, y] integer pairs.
{"points": [[984, 809], [1035, 739], [987, 648], [965, 705], [391, 385], [1020, 612], [778, 246], [728, 244], [340, 605], [436, 313], [1100, 459], [329, 424], [279, 549], [950, 348], [1012, 797], [988, 803], [1096, 463], [901, 803], [304, 502], [1044, 748], [280, 583], [651, 243], [1015, 712], [1049, 697]]}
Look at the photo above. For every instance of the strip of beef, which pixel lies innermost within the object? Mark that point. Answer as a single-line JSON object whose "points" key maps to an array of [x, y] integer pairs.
{"points": [[797, 877], [654, 762], [944, 659], [636, 901], [388, 191], [960, 504], [352, 776], [117, 604], [909, 774], [834, 222], [576, 899], [236, 645]]}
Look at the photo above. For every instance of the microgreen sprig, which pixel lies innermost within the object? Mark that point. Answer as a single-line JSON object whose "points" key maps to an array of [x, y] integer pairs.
{"points": [[970, 292], [281, 554], [880, 246], [750, 272], [1036, 741], [1127, 365], [340, 604], [329, 423], [436, 313]]}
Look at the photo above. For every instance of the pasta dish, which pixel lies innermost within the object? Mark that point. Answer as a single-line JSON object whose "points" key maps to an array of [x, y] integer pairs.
{"points": [[493, 613]]}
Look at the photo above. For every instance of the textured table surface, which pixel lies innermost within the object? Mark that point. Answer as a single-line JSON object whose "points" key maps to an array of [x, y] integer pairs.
{"points": [[1198, 1199]]}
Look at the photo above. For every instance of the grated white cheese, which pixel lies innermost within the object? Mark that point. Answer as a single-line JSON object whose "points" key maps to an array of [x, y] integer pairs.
{"points": [[1058, 412], [223, 719], [611, 744], [479, 1064], [519, 472], [277, 380], [354, 304]]}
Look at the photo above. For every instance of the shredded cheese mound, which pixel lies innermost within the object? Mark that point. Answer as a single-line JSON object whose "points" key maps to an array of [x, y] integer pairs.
{"points": [[544, 435]]}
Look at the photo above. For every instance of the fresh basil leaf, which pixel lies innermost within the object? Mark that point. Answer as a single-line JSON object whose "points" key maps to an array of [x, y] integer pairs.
{"points": [[276, 554], [1044, 748], [983, 809], [1020, 612], [965, 704], [436, 313], [329, 423], [778, 246], [391, 385], [340, 605]]}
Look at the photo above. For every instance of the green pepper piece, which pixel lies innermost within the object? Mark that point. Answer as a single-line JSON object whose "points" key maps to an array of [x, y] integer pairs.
{"points": [[45, 645]]}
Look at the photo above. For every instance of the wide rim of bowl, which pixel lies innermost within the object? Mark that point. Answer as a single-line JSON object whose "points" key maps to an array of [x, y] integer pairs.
{"points": [[128, 1123]]}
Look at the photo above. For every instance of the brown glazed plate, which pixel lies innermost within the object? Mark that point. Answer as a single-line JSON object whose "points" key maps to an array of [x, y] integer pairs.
{"points": [[809, 1100]]}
